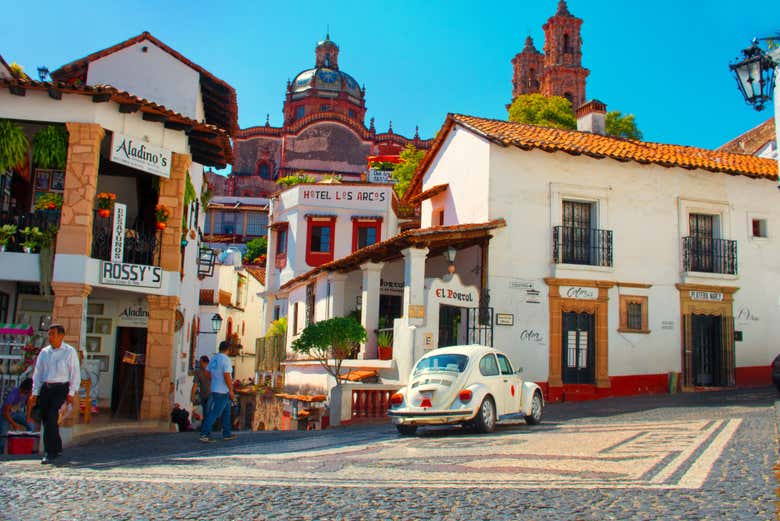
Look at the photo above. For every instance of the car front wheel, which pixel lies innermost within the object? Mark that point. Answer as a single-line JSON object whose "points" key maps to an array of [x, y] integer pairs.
{"points": [[536, 410], [406, 430], [486, 417]]}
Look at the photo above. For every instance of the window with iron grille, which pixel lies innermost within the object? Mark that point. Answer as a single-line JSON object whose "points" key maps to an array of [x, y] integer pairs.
{"points": [[256, 223], [633, 314], [309, 304], [229, 223]]}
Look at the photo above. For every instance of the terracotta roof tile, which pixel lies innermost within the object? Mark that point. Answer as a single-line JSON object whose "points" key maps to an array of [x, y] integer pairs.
{"points": [[752, 141], [529, 137], [258, 272], [203, 135]]}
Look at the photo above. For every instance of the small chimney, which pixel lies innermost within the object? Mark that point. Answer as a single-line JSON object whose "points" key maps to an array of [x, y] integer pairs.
{"points": [[591, 117]]}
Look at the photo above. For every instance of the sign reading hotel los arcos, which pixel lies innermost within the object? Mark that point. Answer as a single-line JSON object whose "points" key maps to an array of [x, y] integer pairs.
{"points": [[125, 274], [138, 154]]}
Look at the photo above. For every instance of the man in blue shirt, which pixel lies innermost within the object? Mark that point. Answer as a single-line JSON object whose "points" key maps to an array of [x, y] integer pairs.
{"points": [[220, 370], [14, 414]]}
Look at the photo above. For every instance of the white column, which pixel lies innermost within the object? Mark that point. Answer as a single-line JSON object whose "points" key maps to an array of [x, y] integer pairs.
{"points": [[369, 313], [414, 282], [337, 297]]}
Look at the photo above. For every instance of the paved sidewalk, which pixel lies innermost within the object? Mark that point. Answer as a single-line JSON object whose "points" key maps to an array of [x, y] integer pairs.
{"points": [[687, 456]]}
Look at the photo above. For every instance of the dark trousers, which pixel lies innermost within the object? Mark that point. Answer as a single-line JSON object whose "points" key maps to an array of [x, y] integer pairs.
{"points": [[50, 399]]}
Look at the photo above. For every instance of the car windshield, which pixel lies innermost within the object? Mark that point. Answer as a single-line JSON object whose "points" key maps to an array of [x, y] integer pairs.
{"points": [[453, 363]]}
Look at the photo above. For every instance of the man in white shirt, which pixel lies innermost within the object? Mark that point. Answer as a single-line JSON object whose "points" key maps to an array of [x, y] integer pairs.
{"points": [[56, 379]]}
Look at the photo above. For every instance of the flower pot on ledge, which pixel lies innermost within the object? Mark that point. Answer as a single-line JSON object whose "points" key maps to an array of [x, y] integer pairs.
{"points": [[104, 212], [161, 226], [385, 352]]}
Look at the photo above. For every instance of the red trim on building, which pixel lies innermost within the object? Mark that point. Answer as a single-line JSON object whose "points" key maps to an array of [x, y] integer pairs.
{"points": [[357, 224], [281, 245], [755, 376], [318, 258], [629, 385], [639, 384]]}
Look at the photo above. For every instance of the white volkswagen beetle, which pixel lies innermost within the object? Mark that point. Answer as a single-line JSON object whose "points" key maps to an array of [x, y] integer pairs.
{"points": [[471, 385]]}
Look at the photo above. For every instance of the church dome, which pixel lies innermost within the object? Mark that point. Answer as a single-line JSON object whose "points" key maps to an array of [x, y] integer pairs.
{"points": [[328, 80], [325, 79]]}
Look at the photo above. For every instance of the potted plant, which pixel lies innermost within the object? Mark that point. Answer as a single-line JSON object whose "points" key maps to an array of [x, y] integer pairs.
{"points": [[105, 202], [50, 147], [384, 342], [162, 213], [13, 145], [32, 238], [49, 201], [7, 232]]}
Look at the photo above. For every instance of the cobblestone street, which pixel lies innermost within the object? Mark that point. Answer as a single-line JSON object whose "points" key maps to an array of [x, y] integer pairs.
{"points": [[689, 456]]}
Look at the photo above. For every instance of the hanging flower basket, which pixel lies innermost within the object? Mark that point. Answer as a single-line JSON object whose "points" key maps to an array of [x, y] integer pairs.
{"points": [[162, 213], [105, 203]]}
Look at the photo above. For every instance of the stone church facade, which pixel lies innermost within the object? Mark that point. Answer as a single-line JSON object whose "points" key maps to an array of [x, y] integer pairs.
{"points": [[323, 133]]}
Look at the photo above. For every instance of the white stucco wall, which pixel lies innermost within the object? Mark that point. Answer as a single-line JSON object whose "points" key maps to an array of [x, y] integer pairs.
{"points": [[38, 106], [646, 207], [458, 164], [153, 74], [341, 201]]}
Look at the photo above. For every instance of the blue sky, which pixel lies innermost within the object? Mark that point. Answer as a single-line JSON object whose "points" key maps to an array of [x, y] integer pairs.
{"points": [[665, 61]]}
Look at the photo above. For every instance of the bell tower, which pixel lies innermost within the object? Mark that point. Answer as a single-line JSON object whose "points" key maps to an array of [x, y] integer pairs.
{"points": [[564, 74], [528, 65]]}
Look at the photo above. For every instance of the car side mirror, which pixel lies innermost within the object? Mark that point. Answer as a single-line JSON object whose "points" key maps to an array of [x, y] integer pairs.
{"points": [[519, 370]]}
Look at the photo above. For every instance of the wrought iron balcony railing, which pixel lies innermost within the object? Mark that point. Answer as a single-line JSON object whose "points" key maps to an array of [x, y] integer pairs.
{"points": [[709, 255], [587, 246], [141, 244]]}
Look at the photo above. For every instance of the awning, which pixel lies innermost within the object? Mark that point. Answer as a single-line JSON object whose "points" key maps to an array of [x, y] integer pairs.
{"points": [[15, 329]]}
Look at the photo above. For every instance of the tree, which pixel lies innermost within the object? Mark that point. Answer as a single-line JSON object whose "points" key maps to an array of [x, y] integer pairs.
{"points": [[255, 248], [619, 125], [404, 171], [537, 109], [335, 339]]}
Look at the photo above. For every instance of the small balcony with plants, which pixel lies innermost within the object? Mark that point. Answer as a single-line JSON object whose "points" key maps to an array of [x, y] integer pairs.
{"points": [[142, 231]]}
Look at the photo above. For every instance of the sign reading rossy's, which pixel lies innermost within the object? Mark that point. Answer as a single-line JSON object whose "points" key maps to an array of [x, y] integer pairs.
{"points": [[125, 274], [135, 153]]}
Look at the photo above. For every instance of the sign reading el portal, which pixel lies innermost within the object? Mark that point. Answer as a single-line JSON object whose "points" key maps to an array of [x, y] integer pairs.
{"points": [[135, 153]]}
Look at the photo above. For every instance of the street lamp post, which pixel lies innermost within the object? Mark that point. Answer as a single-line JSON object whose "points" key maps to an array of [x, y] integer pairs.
{"points": [[755, 75], [216, 325]]}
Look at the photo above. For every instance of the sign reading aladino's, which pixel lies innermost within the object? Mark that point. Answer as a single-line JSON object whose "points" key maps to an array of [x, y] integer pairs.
{"points": [[136, 153]]}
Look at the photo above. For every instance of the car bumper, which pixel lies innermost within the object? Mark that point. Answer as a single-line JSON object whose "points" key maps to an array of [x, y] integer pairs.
{"points": [[427, 417]]}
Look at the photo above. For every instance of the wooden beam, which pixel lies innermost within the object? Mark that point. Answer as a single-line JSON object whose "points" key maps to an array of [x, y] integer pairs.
{"points": [[203, 133], [152, 116], [16, 90], [178, 125], [129, 108], [55, 93], [101, 97]]}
